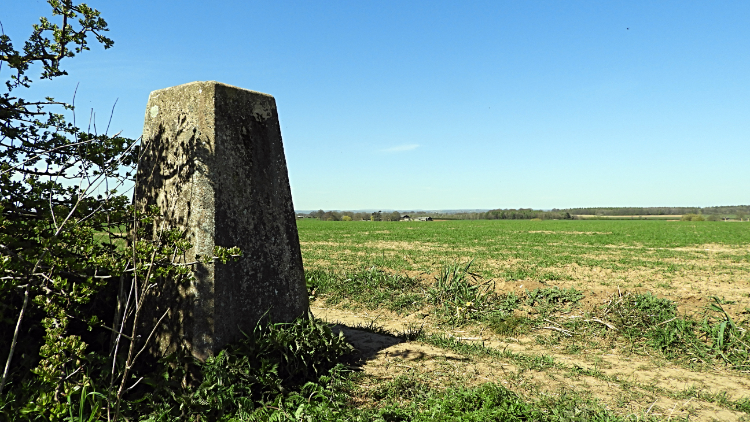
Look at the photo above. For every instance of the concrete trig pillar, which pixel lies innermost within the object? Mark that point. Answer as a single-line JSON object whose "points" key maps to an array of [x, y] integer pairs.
{"points": [[214, 164]]}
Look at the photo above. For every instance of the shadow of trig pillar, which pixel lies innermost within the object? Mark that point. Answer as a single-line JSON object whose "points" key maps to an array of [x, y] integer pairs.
{"points": [[213, 162]]}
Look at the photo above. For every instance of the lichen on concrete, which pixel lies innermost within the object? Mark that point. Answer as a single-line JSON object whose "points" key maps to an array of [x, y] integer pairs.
{"points": [[214, 164]]}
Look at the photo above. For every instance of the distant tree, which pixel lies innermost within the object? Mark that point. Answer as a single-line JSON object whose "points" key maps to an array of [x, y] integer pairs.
{"points": [[393, 216], [692, 217], [358, 216], [330, 216], [741, 215], [346, 218]]}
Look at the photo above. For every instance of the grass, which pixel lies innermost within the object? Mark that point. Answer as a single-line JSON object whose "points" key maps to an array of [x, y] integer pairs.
{"points": [[459, 296], [535, 248], [561, 293], [371, 288], [568, 293]]}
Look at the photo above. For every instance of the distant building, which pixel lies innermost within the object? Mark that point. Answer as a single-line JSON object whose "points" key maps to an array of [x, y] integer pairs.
{"points": [[405, 218], [424, 219]]}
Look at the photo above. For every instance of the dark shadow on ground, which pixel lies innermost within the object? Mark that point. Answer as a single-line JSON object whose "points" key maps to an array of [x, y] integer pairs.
{"points": [[367, 343]]}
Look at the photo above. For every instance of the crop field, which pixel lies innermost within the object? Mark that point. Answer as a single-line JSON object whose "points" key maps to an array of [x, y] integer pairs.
{"points": [[591, 320]]}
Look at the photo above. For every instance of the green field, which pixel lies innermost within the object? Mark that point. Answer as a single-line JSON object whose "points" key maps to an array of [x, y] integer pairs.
{"points": [[629, 254], [638, 319]]}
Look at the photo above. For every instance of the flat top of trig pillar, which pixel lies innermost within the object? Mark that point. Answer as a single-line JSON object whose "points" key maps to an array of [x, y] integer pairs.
{"points": [[209, 83]]}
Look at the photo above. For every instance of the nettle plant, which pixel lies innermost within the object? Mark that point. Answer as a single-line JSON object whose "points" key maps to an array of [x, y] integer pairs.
{"points": [[75, 258]]}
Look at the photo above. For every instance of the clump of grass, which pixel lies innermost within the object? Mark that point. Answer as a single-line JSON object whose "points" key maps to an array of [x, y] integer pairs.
{"points": [[509, 325], [726, 339], [493, 402], [412, 332], [634, 314], [675, 338], [502, 321], [644, 316], [373, 327], [371, 287], [550, 296], [403, 387], [459, 295], [655, 320]]}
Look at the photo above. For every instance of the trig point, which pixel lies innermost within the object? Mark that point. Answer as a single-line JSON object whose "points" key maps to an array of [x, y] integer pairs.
{"points": [[214, 164]]}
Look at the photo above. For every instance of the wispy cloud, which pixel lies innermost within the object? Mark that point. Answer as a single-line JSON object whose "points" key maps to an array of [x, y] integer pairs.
{"points": [[401, 148]]}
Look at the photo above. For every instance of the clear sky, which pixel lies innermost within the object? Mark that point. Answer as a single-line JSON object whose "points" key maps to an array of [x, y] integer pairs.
{"points": [[452, 104]]}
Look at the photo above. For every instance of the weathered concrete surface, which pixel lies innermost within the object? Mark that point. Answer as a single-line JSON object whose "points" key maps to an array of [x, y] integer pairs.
{"points": [[214, 164]]}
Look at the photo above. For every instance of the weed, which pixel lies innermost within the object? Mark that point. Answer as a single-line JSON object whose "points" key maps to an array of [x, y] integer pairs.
{"points": [[644, 316], [675, 338], [402, 387], [508, 302], [634, 314], [721, 398], [727, 340], [372, 287], [553, 276], [274, 360], [509, 325], [93, 399], [458, 295], [412, 332], [548, 296]]}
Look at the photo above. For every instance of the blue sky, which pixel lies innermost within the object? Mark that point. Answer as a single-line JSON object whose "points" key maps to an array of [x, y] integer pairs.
{"points": [[447, 105]]}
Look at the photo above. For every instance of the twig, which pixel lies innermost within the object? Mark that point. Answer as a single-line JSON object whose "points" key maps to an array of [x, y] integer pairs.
{"points": [[561, 330], [664, 322], [551, 322], [73, 373], [15, 339], [150, 335], [604, 323], [133, 386]]}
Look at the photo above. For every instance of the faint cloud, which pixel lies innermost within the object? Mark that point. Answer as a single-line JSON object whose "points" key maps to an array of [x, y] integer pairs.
{"points": [[401, 148]]}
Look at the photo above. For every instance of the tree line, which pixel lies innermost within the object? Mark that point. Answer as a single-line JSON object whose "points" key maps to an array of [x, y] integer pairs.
{"points": [[610, 211], [504, 214], [353, 216], [740, 212]]}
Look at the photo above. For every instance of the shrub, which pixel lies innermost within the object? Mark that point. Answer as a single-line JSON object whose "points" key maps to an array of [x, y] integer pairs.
{"points": [[692, 217], [274, 361]]}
